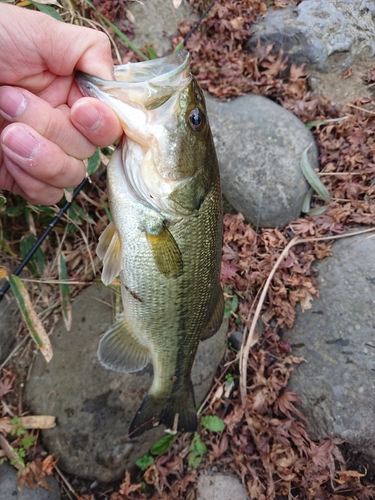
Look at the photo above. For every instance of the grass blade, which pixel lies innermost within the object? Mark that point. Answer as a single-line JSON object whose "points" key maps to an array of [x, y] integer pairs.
{"points": [[307, 201], [30, 316], [47, 9], [93, 163], [121, 35], [315, 123], [37, 262], [312, 178], [65, 293]]}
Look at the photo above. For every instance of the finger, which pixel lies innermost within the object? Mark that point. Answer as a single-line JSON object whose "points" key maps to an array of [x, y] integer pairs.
{"points": [[89, 50], [53, 123], [39, 158], [101, 131], [33, 190]]}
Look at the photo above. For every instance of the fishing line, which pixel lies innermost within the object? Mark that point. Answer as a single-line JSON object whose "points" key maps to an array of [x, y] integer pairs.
{"points": [[37, 244]]}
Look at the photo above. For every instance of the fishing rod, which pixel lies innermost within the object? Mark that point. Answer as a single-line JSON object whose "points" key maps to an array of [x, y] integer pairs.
{"points": [[65, 207], [196, 25], [37, 244]]}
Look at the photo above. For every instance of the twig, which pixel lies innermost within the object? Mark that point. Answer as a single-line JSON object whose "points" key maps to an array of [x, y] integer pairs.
{"points": [[361, 109], [246, 350], [69, 488], [321, 174], [244, 354]]}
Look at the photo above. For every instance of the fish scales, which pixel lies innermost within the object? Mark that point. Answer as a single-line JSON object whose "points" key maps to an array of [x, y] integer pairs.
{"points": [[165, 239]]}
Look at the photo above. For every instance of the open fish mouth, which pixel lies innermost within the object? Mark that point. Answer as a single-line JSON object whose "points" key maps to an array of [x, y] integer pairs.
{"points": [[148, 98], [147, 84]]}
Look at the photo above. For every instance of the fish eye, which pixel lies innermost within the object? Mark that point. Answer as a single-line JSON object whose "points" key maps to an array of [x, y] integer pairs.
{"points": [[197, 120]]}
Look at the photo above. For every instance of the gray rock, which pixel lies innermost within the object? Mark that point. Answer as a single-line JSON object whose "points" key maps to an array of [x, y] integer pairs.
{"points": [[156, 23], [9, 489], [337, 339], [94, 406], [9, 323], [220, 487], [259, 145], [326, 34]]}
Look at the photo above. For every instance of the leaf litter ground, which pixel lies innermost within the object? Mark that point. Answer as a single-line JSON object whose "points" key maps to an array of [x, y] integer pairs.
{"points": [[264, 442]]}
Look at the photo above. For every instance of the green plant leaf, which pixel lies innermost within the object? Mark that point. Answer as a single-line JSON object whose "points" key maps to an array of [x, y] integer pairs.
{"points": [[314, 123], [162, 445], [151, 53], [14, 211], [231, 306], [27, 442], [3, 200], [212, 423], [38, 261], [307, 201], [144, 461], [30, 316], [93, 163], [179, 47], [47, 9], [317, 211], [311, 176], [77, 213], [198, 446], [194, 460]]}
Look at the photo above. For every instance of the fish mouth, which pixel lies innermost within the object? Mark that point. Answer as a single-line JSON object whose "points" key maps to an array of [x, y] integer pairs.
{"points": [[146, 98], [147, 84]]}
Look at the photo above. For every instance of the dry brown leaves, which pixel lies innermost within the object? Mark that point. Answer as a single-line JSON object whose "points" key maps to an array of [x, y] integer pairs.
{"points": [[221, 62], [35, 474], [265, 442]]}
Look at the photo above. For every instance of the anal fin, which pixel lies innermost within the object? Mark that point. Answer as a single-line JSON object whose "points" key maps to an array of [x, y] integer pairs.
{"points": [[216, 318], [109, 250], [167, 255], [120, 350]]}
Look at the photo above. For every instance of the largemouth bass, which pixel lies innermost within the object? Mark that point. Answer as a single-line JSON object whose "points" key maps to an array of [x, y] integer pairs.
{"points": [[165, 237]]}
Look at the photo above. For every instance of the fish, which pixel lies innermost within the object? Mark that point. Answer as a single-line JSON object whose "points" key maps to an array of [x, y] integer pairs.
{"points": [[165, 236]]}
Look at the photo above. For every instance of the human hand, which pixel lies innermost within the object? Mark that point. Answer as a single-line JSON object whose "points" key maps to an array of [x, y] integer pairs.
{"points": [[47, 127]]}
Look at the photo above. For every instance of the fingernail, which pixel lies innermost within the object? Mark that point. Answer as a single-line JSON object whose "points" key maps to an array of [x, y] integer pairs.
{"points": [[12, 102], [21, 142], [88, 116]]}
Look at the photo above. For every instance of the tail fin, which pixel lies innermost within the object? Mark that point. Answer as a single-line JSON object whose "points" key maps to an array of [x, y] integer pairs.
{"points": [[176, 413]]}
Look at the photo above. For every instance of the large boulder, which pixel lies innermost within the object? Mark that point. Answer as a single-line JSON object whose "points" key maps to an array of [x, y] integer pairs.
{"points": [[259, 146], [336, 337], [329, 37], [94, 407], [325, 34]]}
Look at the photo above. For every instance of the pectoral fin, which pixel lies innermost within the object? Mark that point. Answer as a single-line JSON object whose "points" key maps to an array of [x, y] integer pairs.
{"points": [[167, 255], [119, 349], [216, 318], [109, 250]]}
